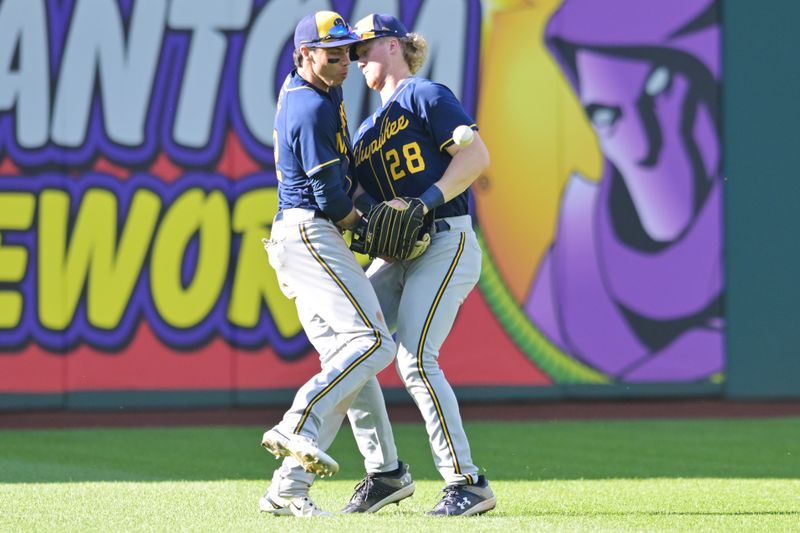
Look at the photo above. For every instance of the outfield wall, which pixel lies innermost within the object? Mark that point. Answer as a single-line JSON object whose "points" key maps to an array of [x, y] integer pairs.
{"points": [[761, 114], [137, 178]]}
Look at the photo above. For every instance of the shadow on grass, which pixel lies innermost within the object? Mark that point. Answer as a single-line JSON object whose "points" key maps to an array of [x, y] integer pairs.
{"points": [[537, 451]]}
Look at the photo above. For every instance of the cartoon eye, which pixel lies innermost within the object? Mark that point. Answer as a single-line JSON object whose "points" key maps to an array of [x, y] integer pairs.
{"points": [[658, 81], [602, 116]]}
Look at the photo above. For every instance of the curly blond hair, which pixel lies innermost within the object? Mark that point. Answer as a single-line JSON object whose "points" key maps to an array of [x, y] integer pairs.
{"points": [[415, 51]]}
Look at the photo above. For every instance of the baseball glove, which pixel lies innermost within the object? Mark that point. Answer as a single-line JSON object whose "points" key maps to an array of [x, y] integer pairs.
{"points": [[394, 233]]}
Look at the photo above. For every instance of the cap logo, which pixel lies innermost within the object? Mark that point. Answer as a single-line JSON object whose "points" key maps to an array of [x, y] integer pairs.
{"points": [[331, 26]]}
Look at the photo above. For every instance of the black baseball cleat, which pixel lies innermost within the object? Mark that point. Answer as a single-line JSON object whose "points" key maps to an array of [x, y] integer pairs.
{"points": [[465, 500], [378, 490]]}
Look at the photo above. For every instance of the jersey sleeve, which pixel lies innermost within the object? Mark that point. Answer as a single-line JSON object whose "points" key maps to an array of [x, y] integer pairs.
{"points": [[315, 139], [442, 112]]}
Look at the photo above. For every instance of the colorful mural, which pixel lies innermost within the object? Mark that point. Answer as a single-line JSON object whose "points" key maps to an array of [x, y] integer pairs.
{"points": [[628, 277], [137, 179]]}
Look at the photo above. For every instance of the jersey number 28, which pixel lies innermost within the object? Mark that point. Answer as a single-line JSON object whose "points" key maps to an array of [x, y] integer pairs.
{"points": [[413, 159]]}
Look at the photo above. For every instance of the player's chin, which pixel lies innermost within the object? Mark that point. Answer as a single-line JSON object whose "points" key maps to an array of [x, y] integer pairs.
{"points": [[371, 82], [338, 80], [335, 82]]}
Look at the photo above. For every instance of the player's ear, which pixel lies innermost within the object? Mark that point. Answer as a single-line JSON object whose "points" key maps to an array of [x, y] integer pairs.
{"points": [[306, 52]]}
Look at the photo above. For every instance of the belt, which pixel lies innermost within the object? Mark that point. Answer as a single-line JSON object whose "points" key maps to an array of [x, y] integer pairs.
{"points": [[441, 225], [454, 223], [317, 214]]}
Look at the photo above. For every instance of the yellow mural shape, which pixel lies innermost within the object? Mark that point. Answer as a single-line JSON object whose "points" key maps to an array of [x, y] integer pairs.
{"points": [[537, 135], [16, 213]]}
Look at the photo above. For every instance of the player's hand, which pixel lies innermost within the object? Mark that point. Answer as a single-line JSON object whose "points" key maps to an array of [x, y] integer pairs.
{"points": [[349, 222], [398, 203]]}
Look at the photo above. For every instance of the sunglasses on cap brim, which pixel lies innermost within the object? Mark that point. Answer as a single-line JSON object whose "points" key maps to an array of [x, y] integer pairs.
{"points": [[337, 32]]}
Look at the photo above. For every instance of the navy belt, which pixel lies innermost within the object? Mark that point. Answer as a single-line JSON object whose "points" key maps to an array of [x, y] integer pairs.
{"points": [[441, 225], [317, 214]]}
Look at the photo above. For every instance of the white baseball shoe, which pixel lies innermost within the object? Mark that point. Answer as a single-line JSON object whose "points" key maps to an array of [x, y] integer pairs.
{"points": [[302, 506], [311, 458], [274, 505]]}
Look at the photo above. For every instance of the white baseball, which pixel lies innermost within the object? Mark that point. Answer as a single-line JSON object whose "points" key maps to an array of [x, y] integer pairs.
{"points": [[463, 135]]}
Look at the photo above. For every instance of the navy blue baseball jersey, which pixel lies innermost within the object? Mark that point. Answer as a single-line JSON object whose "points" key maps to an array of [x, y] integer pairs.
{"points": [[401, 149], [310, 136]]}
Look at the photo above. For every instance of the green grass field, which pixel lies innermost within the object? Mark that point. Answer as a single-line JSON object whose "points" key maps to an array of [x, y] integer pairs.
{"points": [[667, 475]]}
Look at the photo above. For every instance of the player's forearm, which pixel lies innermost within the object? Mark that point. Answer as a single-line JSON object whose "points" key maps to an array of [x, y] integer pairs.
{"points": [[363, 200], [467, 164], [349, 221], [336, 205], [330, 194]]}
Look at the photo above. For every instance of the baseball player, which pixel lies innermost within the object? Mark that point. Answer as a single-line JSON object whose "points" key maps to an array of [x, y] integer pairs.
{"points": [[406, 149], [336, 303]]}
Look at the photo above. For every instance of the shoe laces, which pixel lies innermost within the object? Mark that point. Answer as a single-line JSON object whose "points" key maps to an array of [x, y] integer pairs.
{"points": [[310, 503], [310, 508], [451, 494], [361, 490]]}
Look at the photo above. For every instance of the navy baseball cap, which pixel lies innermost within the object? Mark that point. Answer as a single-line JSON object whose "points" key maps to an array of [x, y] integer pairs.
{"points": [[323, 29], [379, 25]]}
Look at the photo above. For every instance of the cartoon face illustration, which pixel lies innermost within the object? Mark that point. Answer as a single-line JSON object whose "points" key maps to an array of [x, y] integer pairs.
{"points": [[632, 282], [655, 126]]}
